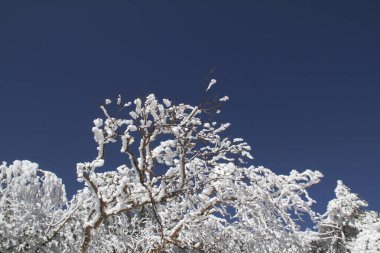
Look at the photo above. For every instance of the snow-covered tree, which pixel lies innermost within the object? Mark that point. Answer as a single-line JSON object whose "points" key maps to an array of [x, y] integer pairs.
{"points": [[346, 227], [184, 187], [368, 237], [32, 208]]}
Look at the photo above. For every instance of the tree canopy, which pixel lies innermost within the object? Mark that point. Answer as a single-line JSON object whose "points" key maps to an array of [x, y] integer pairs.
{"points": [[185, 186]]}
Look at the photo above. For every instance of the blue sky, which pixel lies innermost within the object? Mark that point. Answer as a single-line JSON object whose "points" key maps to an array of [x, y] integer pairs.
{"points": [[303, 78]]}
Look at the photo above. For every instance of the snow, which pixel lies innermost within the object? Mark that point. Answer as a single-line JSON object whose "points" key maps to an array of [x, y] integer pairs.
{"points": [[185, 185], [167, 102], [224, 99], [211, 83]]}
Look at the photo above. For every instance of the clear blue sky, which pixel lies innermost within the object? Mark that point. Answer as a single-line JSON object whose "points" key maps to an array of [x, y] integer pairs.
{"points": [[303, 78]]}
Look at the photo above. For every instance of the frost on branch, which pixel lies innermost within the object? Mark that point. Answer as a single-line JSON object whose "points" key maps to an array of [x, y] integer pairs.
{"points": [[32, 203], [368, 238], [185, 186], [346, 227]]}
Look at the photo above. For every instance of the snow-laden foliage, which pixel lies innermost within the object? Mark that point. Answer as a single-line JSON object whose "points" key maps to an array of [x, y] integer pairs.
{"points": [[368, 237], [32, 204], [185, 187], [346, 227]]}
